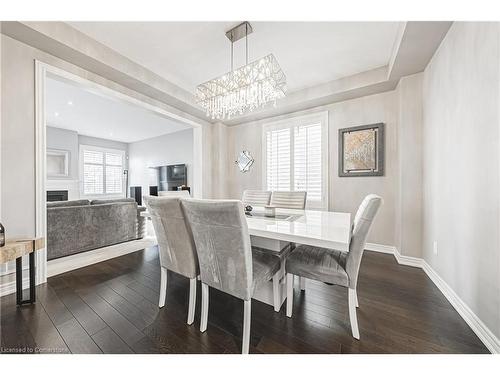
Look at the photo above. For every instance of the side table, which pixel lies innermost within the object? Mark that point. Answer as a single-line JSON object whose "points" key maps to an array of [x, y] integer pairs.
{"points": [[15, 249]]}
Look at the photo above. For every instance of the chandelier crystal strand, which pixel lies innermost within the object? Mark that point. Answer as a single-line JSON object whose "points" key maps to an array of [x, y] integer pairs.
{"points": [[244, 89]]}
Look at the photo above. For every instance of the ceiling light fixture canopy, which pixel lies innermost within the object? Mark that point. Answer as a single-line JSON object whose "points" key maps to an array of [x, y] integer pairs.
{"points": [[244, 89]]}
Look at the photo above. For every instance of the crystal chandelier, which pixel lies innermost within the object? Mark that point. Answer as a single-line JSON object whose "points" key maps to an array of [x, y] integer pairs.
{"points": [[244, 89]]}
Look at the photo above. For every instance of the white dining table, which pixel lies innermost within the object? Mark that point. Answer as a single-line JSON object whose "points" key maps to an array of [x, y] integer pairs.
{"points": [[327, 229], [316, 228]]}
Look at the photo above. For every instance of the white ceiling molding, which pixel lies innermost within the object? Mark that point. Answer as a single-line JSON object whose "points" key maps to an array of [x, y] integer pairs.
{"points": [[413, 48], [189, 53], [419, 42], [65, 42], [397, 44]]}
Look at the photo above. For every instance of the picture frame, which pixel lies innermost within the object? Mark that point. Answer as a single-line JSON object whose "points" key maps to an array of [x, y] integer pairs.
{"points": [[361, 151]]}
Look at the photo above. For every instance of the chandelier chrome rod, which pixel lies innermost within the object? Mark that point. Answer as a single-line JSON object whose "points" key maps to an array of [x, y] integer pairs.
{"points": [[232, 68]]}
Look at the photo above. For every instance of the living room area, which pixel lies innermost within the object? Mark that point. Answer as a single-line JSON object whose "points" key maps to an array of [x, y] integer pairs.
{"points": [[104, 152]]}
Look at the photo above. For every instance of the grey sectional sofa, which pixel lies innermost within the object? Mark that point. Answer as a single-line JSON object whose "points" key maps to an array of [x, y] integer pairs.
{"points": [[81, 225]]}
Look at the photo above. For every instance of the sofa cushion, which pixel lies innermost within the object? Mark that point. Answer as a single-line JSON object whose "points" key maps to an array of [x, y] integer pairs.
{"points": [[79, 202], [106, 201]]}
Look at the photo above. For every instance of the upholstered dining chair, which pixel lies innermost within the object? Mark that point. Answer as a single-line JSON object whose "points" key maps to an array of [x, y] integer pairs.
{"points": [[176, 246], [256, 197], [289, 199], [227, 260], [333, 266]]}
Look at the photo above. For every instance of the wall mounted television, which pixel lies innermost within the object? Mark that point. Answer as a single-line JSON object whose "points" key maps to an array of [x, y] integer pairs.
{"points": [[171, 176]]}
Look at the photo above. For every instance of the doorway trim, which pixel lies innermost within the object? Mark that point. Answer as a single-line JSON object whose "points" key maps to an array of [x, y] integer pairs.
{"points": [[44, 70]]}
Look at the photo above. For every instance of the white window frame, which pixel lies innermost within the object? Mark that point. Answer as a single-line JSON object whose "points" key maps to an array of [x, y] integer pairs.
{"points": [[81, 171], [292, 122]]}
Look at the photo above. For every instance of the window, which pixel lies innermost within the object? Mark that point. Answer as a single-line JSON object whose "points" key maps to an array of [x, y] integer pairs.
{"points": [[296, 157], [101, 171]]}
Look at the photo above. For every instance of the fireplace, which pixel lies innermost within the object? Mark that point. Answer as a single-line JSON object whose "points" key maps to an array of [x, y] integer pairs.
{"points": [[57, 195]]}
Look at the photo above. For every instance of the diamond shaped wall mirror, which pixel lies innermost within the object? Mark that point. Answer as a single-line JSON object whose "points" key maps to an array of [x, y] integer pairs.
{"points": [[244, 161]]}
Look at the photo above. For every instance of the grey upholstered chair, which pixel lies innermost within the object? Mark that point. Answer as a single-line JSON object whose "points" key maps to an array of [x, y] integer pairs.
{"points": [[289, 199], [333, 266], [256, 197], [227, 260], [176, 246]]}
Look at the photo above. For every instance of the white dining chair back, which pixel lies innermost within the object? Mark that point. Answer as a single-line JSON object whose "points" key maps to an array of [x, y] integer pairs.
{"points": [[289, 199], [256, 197]]}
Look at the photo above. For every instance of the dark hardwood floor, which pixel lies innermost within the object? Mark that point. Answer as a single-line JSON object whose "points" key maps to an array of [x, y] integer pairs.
{"points": [[111, 307]]}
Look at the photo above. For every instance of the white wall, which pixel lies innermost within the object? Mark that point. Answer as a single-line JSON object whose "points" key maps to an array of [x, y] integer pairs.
{"points": [[63, 139], [220, 160], [345, 193], [104, 143], [409, 190], [461, 166], [172, 148]]}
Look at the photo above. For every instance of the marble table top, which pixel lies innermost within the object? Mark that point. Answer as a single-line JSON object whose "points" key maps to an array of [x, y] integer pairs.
{"points": [[16, 248]]}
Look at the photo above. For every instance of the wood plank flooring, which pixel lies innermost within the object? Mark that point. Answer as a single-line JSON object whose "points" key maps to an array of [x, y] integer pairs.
{"points": [[111, 307]]}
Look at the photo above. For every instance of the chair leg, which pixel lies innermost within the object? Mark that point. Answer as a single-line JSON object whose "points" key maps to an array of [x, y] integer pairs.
{"points": [[276, 292], [302, 282], [352, 313], [356, 294], [204, 307], [289, 294], [247, 317], [163, 287], [192, 300]]}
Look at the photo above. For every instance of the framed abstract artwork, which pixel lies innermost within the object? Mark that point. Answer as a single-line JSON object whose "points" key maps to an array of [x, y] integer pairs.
{"points": [[361, 151]]}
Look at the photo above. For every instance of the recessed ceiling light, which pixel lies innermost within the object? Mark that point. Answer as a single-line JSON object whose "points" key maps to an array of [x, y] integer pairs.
{"points": [[56, 114], [70, 102]]}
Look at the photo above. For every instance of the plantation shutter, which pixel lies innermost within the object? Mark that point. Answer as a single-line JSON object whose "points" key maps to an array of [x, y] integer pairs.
{"points": [[102, 171], [296, 152], [114, 172], [278, 159], [307, 160], [93, 169]]}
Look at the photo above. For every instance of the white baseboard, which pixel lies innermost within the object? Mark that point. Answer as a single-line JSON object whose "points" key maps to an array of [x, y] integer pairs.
{"points": [[485, 335], [408, 261], [72, 262], [380, 248], [10, 286]]}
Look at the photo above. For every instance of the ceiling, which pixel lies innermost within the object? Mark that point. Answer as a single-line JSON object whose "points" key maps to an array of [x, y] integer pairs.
{"points": [[97, 115], [310, 53]]}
